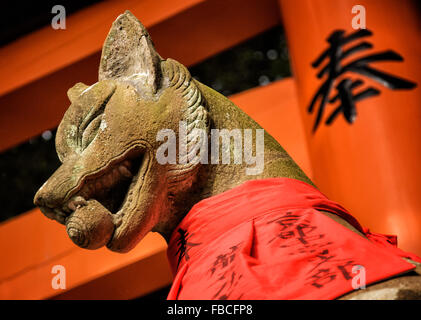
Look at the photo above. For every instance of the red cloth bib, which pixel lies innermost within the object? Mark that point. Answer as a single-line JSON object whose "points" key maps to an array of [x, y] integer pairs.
{"points": [[266, 239]]}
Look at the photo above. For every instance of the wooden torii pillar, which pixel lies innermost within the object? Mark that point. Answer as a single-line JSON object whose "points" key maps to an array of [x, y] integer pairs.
{"points": [[372, 165]]}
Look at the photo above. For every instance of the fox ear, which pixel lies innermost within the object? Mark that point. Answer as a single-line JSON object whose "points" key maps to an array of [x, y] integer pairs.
{"points": [[76, 91], [129, 55]]}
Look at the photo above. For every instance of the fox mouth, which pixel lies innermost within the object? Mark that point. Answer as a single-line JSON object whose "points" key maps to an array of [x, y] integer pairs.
{"points": [[113, 186]]}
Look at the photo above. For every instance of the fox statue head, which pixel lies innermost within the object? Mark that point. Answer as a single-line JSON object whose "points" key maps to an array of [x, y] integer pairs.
{"points": [[110, 189]]}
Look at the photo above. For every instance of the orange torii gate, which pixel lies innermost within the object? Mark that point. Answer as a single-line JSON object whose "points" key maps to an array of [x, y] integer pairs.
{"points": [[41, 66], [371, 165]]}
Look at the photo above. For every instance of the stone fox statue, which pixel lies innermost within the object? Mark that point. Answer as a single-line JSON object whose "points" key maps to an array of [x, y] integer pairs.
{"points": [[230, 235]]}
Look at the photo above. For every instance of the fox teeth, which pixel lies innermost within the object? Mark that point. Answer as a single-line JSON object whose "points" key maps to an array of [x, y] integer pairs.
{"points": [[127, 164], [98, 185], [80, 200], [108, 180], [116, 174], [124, 171], [76, 203], [72, 206]]}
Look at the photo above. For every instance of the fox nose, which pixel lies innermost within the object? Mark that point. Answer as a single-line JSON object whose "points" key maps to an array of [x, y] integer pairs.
{"points": [[41, 202], [40, 199]]}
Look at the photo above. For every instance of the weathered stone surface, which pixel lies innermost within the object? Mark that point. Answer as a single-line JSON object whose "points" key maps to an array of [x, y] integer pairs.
{"points": [[110, 190], [90, 226]]}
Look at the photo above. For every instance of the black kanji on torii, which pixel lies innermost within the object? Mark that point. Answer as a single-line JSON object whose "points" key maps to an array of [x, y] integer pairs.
{"points": [[345, 87]]}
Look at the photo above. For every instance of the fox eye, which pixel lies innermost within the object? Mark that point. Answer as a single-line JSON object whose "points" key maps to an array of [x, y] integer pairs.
{"points": [[91, 131]]}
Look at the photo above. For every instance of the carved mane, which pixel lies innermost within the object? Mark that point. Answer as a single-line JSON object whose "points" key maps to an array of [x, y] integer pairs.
{"points": [[195, 115]]}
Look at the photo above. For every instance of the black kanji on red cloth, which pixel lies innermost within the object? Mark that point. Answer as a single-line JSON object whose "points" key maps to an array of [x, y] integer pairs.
{"points": [[294, 227], [226, 276], [184, 245], [328, 269], [335, 71], [299, 233]]}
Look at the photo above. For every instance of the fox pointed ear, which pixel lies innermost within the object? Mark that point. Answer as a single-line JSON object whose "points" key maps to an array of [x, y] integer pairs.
{"points": [[129, 55]]}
